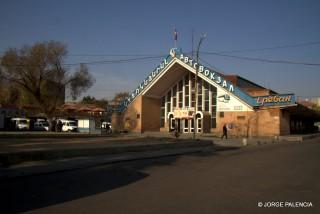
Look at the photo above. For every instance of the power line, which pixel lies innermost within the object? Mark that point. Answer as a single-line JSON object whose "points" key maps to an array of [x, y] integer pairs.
{"points": [[114, 55], [116, 61], [220, 52], [262, 60], [102, 61], [271, 48]]}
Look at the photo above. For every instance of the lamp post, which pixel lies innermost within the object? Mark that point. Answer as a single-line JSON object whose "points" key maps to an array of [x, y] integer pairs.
{"points": [[196, 89]]}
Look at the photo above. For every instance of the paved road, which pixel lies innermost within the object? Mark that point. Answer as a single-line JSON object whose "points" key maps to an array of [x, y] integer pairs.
{"points": [[228, 182]]}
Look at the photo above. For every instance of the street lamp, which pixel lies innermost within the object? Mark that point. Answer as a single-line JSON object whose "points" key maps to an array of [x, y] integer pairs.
{"points": [[196, 89]]}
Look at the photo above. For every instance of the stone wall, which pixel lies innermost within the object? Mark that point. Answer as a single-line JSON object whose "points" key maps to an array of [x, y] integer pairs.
{"points": [[263, 122], [131, 117]]}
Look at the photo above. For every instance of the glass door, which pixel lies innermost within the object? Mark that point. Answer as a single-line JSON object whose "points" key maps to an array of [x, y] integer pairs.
{"points": [[186, 126], [172, 124], [199, 125], [191, 122]]}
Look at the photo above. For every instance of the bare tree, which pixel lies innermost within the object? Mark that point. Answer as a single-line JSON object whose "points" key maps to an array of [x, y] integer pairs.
{"points": [[40, 71]]}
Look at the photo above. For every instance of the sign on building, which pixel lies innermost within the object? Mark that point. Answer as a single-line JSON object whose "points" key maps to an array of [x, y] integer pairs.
{"points": [[183, 113]]}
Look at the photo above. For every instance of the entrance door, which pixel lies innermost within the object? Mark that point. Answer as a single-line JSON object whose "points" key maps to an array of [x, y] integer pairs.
{"points": [[199, 125], [175, 123], [186, 126], [191, 122], [172, 124]]}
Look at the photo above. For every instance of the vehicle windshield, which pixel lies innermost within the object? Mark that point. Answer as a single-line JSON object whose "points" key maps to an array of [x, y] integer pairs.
{"points": [[22, 122], [72, 124], [45, 123]]}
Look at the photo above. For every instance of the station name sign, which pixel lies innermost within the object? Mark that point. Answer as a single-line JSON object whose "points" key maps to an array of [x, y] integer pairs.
{"points": [[278, 99], [214, 76], [146, 81]]}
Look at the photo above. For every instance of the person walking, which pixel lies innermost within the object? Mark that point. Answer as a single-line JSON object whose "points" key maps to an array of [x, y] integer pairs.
{"points": [[225, 131], [60, 126]]}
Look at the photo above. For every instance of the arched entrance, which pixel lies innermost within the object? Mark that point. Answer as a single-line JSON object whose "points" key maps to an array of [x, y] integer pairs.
{"points": [[171, 122], [199, 118]]}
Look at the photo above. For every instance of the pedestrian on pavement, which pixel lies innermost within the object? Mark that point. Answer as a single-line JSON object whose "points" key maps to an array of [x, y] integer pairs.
{"points": [[60, 126], [176, 130], [107, 128], [225, 131], [54, 125]]}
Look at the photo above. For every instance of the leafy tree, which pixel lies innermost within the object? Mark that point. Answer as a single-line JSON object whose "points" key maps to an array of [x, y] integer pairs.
{"points": [[88, 100], [103, 103], [40, 71], [119, 97], [9, 94]]}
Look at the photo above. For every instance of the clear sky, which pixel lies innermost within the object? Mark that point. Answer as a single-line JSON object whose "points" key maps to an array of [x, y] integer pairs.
{"points": [[93, 30]]}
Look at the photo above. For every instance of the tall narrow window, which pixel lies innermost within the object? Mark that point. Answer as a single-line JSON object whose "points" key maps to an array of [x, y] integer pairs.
{"points": [[199, 94], [168, 101], [206, 95], [213, 91], [186, 91], [162, 111], [174, 97], [180, 92]]}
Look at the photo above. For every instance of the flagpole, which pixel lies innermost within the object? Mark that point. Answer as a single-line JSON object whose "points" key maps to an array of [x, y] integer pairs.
{"points": [[175, 37]]}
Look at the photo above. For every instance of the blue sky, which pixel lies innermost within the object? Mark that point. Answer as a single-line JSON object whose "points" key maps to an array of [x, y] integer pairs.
{"points": [[145, 28]]}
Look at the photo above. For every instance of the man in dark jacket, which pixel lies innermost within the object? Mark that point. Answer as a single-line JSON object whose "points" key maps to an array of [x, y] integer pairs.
{"points": [[225, 131]]}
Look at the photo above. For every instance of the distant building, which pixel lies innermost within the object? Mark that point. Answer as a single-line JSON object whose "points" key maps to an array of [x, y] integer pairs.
{"points": [[80, 109], [165, 101]]}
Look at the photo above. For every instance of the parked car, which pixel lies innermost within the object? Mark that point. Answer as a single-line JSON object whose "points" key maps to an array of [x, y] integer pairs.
{"points": [[69, 125], [20, 123], [41, 125]]}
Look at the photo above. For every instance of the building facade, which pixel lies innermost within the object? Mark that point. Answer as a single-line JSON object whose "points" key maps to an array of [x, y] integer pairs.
{"points": [[166, 100]]}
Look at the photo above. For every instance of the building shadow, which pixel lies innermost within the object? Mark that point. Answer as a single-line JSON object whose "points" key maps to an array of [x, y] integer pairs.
{"points": [[33, 192], [28, 193]]}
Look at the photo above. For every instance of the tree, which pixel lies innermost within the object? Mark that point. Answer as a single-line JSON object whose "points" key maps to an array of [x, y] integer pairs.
{"points": [[102, 103], [9, 94], [88, 100], [40, 71], [119, 97]]}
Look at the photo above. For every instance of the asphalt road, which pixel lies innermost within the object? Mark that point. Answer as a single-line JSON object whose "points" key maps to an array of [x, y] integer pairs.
{"points": [[226, 182]]}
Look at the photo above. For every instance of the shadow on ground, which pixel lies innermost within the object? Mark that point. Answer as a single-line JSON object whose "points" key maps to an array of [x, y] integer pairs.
{"points": [[33, 192]]}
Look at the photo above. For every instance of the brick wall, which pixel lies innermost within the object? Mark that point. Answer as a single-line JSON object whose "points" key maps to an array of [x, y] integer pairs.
{"points": [[262, 122]]}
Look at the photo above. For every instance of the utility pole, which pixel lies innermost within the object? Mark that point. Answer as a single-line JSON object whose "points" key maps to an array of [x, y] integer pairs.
{"points": [[192, 42], [196, 89]]}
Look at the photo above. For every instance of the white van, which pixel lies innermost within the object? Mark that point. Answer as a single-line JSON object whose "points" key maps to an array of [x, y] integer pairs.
{"points": [[20, 123], [69, 125], [41, 125]]}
